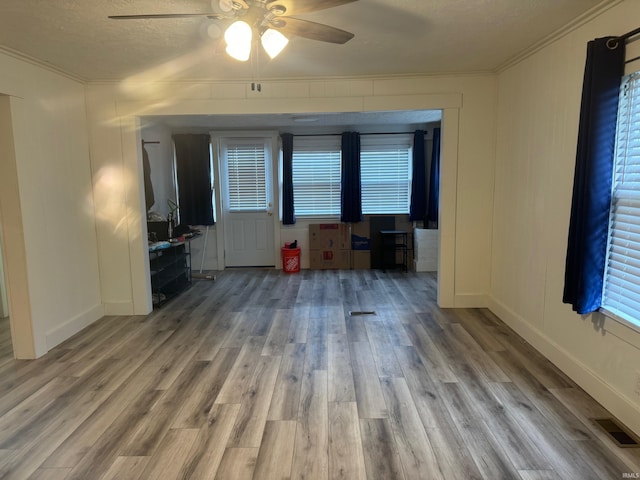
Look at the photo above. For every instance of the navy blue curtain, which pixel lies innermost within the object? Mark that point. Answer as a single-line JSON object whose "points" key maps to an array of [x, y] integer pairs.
{"points": [[434, 181], [588, 228], [418, 206], [193, 170], [351, 199], [288, 214]]}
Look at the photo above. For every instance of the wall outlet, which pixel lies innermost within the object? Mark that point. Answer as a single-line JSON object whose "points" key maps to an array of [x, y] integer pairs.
{"points": [[636, 387]]}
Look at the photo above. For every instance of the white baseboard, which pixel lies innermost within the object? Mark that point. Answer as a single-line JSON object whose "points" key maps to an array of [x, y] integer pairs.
{"points": [[428, 265], [471, 300], [614, 401], [118, 308], [73, 326]]}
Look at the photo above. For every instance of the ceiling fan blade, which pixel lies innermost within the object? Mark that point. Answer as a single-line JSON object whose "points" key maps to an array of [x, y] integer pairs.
{"points": [[311, 30], [296, 7], [166, 15]]}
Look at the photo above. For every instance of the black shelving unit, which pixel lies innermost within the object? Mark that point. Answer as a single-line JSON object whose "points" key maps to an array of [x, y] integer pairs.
{"points": [[170, 271], [394, 242]]}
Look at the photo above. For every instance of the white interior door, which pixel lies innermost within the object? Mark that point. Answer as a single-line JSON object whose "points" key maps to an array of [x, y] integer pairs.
{"points": [[247, 202]]}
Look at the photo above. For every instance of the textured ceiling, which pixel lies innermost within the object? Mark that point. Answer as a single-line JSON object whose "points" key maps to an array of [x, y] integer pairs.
{"points": [[391, 37]]}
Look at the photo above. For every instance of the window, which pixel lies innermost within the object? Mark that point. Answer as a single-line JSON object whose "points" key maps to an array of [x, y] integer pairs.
{"points": [[316, 176], [385, 169], [246, 161], [621, 292]]}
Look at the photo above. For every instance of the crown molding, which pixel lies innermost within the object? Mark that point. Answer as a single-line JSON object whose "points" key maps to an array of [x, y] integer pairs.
{"points": [[560, 33], [41, 64]]}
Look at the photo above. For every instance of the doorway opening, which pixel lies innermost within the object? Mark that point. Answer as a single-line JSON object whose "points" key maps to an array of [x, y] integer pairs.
{"points": [[6, 346], [369, 122]]}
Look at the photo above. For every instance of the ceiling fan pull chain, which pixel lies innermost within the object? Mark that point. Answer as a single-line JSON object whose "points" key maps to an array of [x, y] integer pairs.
{"points": [[255, 64]]}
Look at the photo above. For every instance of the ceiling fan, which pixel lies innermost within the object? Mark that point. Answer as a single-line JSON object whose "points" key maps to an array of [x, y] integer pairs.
{"points": [[271, 19]]}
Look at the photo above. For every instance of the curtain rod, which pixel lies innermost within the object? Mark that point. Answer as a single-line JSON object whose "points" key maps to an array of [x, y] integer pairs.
{"points": [[144, 142], [630, 34], [613, 42]]}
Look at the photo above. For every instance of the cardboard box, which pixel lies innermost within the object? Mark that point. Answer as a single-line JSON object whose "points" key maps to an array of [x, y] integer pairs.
{"points": [[329, 259], [329, 236], [361, 229], [360, 243], [360, 260], [360, 236]]}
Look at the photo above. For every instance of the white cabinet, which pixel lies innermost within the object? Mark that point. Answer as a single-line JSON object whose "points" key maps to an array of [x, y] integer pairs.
{"points": [[426, 244]]}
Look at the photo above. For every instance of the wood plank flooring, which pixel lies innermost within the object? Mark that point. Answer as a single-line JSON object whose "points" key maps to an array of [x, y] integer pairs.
{"points": [[264, 375]]}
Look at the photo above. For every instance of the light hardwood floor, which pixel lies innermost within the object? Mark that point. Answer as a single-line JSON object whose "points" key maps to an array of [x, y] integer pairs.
{"points": [[266, 375]]}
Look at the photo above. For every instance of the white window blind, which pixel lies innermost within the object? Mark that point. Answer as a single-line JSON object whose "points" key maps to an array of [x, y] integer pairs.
{"points": [[621, 294], [385, 169], [316, 176], [246, 163]]}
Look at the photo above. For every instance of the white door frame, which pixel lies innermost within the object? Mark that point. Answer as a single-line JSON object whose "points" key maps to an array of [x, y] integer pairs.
{"points": [[216, 137], [4, 302]]}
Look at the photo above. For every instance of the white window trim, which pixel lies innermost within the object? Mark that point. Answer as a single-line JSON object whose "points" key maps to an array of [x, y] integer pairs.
{"points": [[621, 319]]}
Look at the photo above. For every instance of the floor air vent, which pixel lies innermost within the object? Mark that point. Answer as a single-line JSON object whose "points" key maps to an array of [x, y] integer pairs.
{"points": [[620, 435], [357, 313]]}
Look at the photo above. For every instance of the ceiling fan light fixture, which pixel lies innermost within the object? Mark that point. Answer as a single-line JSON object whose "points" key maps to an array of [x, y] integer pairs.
{"points": [[273, 42], [239, 52], [278, 10], [225, 5], [238, 38]]}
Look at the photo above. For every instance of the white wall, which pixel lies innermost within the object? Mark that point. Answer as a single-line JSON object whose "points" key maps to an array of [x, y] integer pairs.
{"points": [[55, 267], [539, 104], [469, 104]]}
